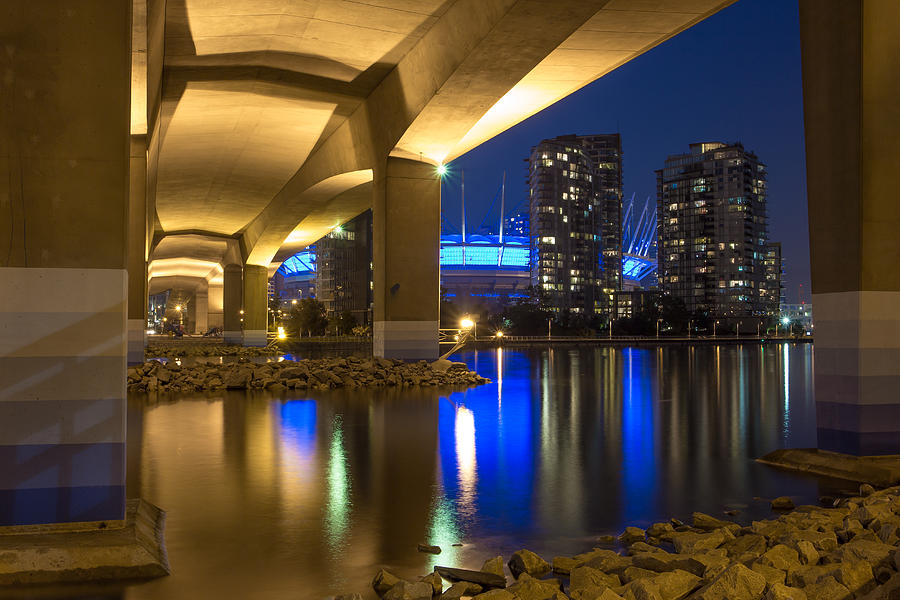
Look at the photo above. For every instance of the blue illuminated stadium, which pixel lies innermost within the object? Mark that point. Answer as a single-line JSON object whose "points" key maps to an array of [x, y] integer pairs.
{"points": [[638, 248], [485, 252], [479, 252]]}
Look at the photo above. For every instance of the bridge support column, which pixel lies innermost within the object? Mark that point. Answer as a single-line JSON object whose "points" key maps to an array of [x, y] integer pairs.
{"points": [[852, 118], [201, 312], [232, 292], [64, 193], [406, 221], [256, 282], [137, 250]]}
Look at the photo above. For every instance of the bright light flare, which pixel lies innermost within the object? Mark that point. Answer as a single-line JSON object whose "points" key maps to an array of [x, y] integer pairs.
{"points": [[441, 170], [499, 334], [467, 323], [785, 320], [281, 334]]}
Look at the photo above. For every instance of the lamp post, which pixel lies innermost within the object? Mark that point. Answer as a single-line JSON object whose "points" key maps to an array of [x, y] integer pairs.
{"points": [[658, 321], [737, 332], [758, 324], [549, 321], [715, 326], [690, 326]]}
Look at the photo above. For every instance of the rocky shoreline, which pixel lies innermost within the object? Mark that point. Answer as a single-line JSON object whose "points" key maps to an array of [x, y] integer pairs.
{"points": [[317, 374], [185, 349], [848, 551]]}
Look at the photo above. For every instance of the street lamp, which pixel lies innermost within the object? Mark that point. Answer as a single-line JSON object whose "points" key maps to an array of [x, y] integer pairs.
{"points": [[690, 326], [738, 330], [658, 321], [757, 328], [469, 325], [715, 325]]}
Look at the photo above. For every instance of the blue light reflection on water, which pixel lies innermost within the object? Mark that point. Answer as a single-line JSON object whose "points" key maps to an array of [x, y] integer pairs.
{"points": [[563, 445]]}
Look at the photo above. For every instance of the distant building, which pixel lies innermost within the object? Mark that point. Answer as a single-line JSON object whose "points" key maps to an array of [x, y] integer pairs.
{"points": [[295, 279], [639, 246], [344, 269], [712, 236], [774, 268], [798, 316], [632, 302], [483, 271], [575, 220], [517, 224]]}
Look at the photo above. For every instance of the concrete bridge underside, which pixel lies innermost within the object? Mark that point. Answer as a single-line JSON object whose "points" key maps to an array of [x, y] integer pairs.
{"points": [[197, 143]]}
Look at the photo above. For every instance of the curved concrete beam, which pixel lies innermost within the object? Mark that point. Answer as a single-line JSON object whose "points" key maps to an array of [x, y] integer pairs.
{"points": [[264, 238]]}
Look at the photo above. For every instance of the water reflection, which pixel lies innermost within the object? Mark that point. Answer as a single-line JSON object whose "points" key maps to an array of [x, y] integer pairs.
{"points": [[305, 496]]}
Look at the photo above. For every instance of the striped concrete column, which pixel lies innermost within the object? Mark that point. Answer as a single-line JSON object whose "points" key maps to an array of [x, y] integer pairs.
{"points": [[232, 292], [406, 223], [852, 118], [256, 281], [62, 395], [64, 193]]}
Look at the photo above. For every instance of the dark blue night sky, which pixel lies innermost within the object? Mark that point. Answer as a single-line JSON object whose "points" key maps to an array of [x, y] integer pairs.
{"points": [[733, 77]]}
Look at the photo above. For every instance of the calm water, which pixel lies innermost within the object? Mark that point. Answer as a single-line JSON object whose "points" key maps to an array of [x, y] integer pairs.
{"points": [[306, 496]]}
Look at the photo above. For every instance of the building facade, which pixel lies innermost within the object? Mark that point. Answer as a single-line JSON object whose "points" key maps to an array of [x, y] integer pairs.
{"points": [[344, 269], [712, 233], [575, 222], [774, 290]]}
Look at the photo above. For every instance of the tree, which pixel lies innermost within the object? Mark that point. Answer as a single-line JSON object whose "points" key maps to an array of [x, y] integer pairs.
{"points": [[308, 317]]}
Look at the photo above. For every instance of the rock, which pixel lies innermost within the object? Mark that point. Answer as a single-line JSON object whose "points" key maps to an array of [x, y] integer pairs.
{"points": [[689, 542], [889, 591], [493, 565], [866, 490], [823, 542], [747, 547], [855, 575], [631, 535], [384, 581], [495, 595], [429, 549], [807, 553], [488, 580], [526, 561], [676, 585], [639, 547], [660, 530], [608, 540], [460, 589], [441, 365], [405, 590], [436, 583], [354, 596], [563, 565], [827, 589], [737, 582], [771, 574], [710, 523], [634, 573], [873, 553], [781, 557], [606, 561], [529, 588], [584, 577], [782, 503], [783, 592]]}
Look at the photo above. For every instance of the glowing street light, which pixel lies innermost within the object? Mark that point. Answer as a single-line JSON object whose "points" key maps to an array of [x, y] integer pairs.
{"points": [[785, 320], [281, 334], [499, 334], [467, 323], [294, 301], [441, 170], [178, 307]]}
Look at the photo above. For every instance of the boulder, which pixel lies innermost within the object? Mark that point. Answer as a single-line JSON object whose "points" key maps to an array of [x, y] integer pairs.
{"points": [[807, 553], [354, 596], [746, 547], [460, 589], [866, 490], [827, 588], [526, 561], [563, 565], [488, 580], [710, 523], [660, 530], [889, 591], [495, 595], [632, 535], [689, 542], [781, 557], [584, 577], [634, 573], [771, 574], [782, 503], [436, 583], [493, 565], [529, 588], [783, 592], [383, 581], [737, 582], [405, 590], [429, 549], [676, 584]]}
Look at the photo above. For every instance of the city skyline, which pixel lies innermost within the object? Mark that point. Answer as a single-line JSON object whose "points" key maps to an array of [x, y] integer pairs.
{"points": [[755, 98]]}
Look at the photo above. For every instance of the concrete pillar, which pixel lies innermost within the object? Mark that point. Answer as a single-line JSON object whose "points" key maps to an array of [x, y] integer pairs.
{"points": [[201, 312], [64, 193], [232, 292], [137, 250], [256, 282], [852, 118], [406, 222], [214, 306]]}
